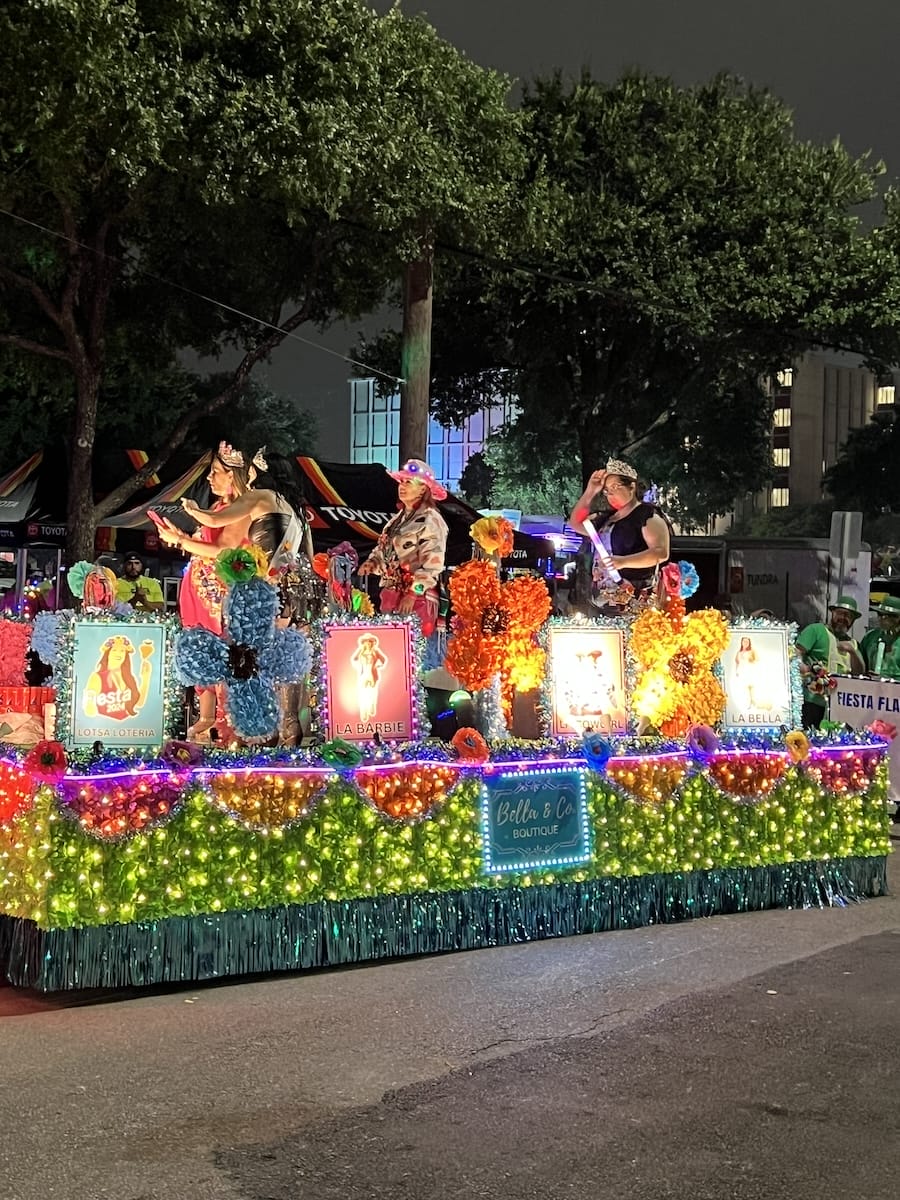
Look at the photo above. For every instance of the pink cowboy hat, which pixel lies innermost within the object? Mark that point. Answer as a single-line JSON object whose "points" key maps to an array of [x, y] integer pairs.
{"points": [[419, 472]]}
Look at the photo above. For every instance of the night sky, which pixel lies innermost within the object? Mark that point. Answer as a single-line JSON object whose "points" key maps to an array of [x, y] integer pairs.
{"points": [[836, 63]]}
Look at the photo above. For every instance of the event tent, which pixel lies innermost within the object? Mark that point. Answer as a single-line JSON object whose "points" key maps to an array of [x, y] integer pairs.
{"points": [[353, 502], [32, 505]]}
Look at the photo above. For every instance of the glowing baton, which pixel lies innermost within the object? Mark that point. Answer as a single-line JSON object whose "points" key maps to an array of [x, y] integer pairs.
{"points": [[602, 553]]}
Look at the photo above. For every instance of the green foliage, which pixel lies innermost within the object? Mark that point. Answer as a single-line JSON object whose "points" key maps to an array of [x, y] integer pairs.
{"points": [[713, 445], [274, 156], [865, 477], [794, 520], [258, 417], [33, 405], [534, 470], [677, 246], [883, 535], [476, 483]]}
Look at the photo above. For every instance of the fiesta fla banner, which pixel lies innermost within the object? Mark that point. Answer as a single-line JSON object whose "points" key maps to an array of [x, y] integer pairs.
{"points": [[859, 702]]}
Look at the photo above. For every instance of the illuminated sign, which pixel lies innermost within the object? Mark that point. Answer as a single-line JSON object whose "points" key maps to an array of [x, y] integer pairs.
{"points": [[587, 680], [117, 683], [756, 678], [369, 677], [859, 702], [534, 818]]}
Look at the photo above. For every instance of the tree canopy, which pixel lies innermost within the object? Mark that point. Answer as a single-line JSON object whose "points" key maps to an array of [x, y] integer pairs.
{"points": [[679, 245], [865, 477], [215, 173]]}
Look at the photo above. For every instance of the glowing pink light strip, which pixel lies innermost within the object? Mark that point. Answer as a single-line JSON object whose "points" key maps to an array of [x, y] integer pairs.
{"points": [[256, 770]]}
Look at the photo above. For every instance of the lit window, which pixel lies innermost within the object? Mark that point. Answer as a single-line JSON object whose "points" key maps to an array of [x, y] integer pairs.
{"points": [[781, 497], [782, 417], [781, 456], [361, 430], [785, 378], [363, 392], [885, 395]]}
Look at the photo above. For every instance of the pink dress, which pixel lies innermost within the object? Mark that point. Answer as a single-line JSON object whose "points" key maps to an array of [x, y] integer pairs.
{"points": [[202, 592]]}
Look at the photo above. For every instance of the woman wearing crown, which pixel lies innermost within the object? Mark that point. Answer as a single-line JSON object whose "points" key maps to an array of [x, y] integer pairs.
{"points": [[266, 518], [635, 535], [242, 515]]}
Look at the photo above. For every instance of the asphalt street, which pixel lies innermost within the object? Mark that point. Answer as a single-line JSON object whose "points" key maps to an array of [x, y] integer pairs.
{"points": [[743, 1056]]}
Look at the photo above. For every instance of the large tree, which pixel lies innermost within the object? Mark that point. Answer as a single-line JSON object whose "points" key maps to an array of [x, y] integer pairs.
{"points": [[460, 138], [865, 478], [687, 245], [173, 173]]}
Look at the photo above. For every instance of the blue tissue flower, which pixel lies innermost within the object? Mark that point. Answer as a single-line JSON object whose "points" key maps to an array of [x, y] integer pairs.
{"points": [[597, 751], [249, 660]]}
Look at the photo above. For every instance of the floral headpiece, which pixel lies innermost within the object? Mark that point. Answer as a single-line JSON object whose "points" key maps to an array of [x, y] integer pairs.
{"points": [[234, 458], [615, 466], [118, 642]]}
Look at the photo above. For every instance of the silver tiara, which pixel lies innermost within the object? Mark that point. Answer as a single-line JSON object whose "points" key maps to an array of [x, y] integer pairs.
{"points": [[233, 458], [615, 466]]}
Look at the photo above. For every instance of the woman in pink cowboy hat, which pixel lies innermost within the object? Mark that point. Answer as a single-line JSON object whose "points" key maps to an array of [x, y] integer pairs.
{"points": [[409, 554]]}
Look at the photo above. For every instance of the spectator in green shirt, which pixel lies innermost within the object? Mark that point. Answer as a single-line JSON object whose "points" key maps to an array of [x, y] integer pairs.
{"points": [[141, 591], [829, 648], [881, 647]]}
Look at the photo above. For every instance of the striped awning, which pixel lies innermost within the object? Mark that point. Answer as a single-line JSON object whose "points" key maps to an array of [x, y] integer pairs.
{"points": [[167, 501]]}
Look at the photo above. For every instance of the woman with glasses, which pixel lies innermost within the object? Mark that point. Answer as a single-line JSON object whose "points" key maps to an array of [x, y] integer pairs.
{"points": [[634, 533]]}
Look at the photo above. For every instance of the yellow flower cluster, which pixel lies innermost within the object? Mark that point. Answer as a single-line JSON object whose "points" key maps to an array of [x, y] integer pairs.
{"points": [[494, 535], [676, 687]]}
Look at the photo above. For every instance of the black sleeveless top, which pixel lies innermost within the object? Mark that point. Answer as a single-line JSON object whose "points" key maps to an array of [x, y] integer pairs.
{"points": [[626, 537], [268, 531]]}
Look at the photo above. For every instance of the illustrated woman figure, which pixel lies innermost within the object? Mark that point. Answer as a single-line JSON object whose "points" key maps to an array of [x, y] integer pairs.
{"points": [[369, 660], [745, 668], [112, 690]]}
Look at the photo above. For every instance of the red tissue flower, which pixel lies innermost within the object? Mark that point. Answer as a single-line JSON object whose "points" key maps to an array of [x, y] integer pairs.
{"points": [[883, 729], [46, 761]]}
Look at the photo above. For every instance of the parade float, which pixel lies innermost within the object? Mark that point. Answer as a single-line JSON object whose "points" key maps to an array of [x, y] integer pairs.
{"points": [[670, 781]]}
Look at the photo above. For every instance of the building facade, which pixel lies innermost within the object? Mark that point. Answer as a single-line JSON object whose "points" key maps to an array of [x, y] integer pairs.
{"points": [[816, 403], [375, 433]]}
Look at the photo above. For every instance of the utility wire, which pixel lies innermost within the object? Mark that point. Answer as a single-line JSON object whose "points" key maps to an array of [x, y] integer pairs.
{"points": [[261, 321]]}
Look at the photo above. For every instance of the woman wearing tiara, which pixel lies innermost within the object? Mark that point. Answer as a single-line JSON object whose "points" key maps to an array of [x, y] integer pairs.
{"points": [[634, 533], [272, 523], [243, 514]]}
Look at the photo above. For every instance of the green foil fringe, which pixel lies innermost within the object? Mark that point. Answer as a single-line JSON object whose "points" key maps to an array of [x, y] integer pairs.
{"points": [[330, 933]]}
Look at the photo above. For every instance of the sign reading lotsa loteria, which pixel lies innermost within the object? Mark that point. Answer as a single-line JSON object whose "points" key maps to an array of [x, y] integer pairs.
{"points": [[118, 684], [533, 819]]}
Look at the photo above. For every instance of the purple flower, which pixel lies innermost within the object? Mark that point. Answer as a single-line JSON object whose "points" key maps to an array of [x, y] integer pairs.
{"points": [[702, 741], [181, 754]]}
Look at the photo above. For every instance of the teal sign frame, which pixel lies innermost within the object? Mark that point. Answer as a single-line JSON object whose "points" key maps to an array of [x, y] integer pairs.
{"points": [[118, 683], [534, 818]]}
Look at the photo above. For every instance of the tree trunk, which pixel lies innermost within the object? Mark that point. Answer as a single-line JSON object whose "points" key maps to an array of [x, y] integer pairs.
{"points": [[590, 445], [416, 354], [80, 515]]}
